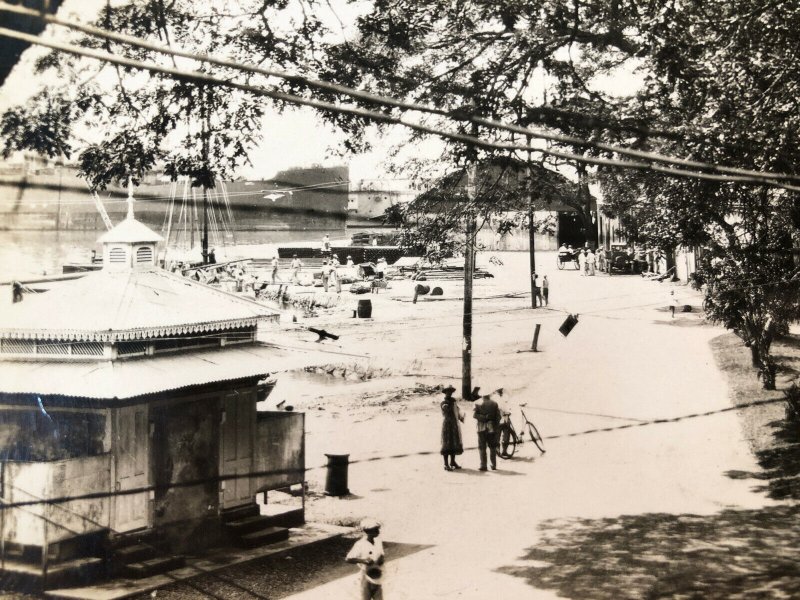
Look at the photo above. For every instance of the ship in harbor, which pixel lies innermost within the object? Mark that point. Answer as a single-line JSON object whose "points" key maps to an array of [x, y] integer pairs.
{"points": [[40, 195]]}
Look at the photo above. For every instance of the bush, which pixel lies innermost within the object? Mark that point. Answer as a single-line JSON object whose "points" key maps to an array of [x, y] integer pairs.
{"points": [[792, 396]]}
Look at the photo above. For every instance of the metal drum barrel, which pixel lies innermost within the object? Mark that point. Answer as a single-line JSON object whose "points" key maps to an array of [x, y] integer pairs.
{"points": [[336, 476], [364, 309]]}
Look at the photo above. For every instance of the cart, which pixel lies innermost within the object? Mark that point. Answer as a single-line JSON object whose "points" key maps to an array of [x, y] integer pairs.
{"points": [[569, 258]]}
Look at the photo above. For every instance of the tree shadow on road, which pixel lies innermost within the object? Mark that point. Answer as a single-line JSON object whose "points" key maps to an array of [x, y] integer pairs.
{"points": [[780, 463], [732, 554]]}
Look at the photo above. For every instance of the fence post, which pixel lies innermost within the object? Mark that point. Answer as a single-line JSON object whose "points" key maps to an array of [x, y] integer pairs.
{"points": [[535, 343]]}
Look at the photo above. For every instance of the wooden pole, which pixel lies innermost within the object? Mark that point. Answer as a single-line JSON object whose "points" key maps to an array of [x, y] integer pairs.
{"points": [[531, 242], [469, 268], [535, 343], [205, 134]]}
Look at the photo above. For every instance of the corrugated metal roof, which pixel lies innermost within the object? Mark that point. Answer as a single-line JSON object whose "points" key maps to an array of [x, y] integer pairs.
{"points": [[129, 231], [138, 377], [137, 304]]}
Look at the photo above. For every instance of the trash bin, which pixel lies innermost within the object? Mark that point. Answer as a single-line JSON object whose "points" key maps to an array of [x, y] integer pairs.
{"points": [[364, 309], [336, 477]]}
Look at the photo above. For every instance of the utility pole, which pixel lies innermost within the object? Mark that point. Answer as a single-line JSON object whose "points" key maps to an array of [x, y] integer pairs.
{"points": [[205, 134], [469, 268], [204, 249], [530, 225]]}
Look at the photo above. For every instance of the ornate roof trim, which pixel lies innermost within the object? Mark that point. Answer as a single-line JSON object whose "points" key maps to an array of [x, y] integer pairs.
{"points": [[143, 333]]}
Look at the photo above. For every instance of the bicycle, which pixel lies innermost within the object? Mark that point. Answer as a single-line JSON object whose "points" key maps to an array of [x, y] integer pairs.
{"points": [[508, 439]]}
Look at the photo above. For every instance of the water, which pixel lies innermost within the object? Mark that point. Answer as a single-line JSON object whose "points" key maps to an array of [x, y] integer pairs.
{"points": [[26, 254]]}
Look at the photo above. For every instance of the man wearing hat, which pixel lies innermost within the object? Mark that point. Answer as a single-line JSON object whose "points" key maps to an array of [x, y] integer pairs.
{"points": [[367, 553], [487, 413], [349, 261]]}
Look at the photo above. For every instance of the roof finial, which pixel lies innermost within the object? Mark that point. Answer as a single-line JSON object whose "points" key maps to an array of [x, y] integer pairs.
{"points": [[130, 198]]}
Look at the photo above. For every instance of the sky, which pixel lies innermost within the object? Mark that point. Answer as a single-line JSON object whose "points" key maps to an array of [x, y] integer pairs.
{"points": [[293, 138]]}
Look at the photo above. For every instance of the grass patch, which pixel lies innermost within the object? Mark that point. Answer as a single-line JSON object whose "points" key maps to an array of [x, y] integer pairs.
{"points": [[774, 439]]}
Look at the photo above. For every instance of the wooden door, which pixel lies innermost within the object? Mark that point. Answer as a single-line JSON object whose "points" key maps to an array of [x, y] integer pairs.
{"points": [[236, 457], [132, 472]]}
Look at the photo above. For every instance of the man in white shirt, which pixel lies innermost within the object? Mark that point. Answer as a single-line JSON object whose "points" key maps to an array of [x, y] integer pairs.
{"points": [[380, 268], [368, 554], [333, 276], [296, 266], [326, 245], [326, 273], [274, 269]]}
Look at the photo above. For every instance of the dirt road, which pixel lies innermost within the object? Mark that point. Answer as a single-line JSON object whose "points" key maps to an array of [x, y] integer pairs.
{"points": [[604, 514]]}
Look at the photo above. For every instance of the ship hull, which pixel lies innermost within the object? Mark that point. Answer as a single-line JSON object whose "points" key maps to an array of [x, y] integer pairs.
{"points": [[312, 200]]}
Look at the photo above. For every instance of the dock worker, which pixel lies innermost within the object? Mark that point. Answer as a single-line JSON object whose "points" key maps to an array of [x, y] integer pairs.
{"points": [[333, 277], [326, 245], [349, 261], [368, 554], [297, 264], [274, 269], [326, 274], [380, 268]]}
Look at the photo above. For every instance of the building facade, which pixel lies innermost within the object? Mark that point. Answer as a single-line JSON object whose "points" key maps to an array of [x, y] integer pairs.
{"points": [[129, 429]]}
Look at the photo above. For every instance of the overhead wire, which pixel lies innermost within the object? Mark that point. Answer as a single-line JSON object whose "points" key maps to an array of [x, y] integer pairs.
{"points": [[462, 114], [381, 117]]}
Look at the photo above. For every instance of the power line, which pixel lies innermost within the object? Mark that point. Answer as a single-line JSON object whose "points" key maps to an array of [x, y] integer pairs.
{"points": [[459, 114], [199, 77]]}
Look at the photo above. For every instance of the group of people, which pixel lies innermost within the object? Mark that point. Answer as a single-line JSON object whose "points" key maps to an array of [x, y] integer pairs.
{"points": [[488, 418], [232, 271], [589, 262], [541, 290]]}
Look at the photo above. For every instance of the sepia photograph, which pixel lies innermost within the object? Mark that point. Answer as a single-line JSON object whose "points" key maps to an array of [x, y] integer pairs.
{"points": [[275, 284]]}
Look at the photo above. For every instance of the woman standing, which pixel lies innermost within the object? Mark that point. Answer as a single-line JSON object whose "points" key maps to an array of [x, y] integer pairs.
{"points": [[451, 431]]}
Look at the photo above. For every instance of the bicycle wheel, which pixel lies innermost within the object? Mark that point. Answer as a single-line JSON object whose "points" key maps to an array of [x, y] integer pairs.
{"points": [[506, 449], [559, 263], [536, 437]]}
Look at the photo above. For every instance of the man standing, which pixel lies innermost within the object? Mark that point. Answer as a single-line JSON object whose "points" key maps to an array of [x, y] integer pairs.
{"points": [[326, 273], [274, 269], [546, 290], [334, 275], [326, 245], [296, 266], [487, 413], [537, 291], [368, 554]]}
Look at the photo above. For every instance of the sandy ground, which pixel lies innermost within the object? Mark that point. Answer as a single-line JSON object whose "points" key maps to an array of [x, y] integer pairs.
{"points": [[481, 535]]}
